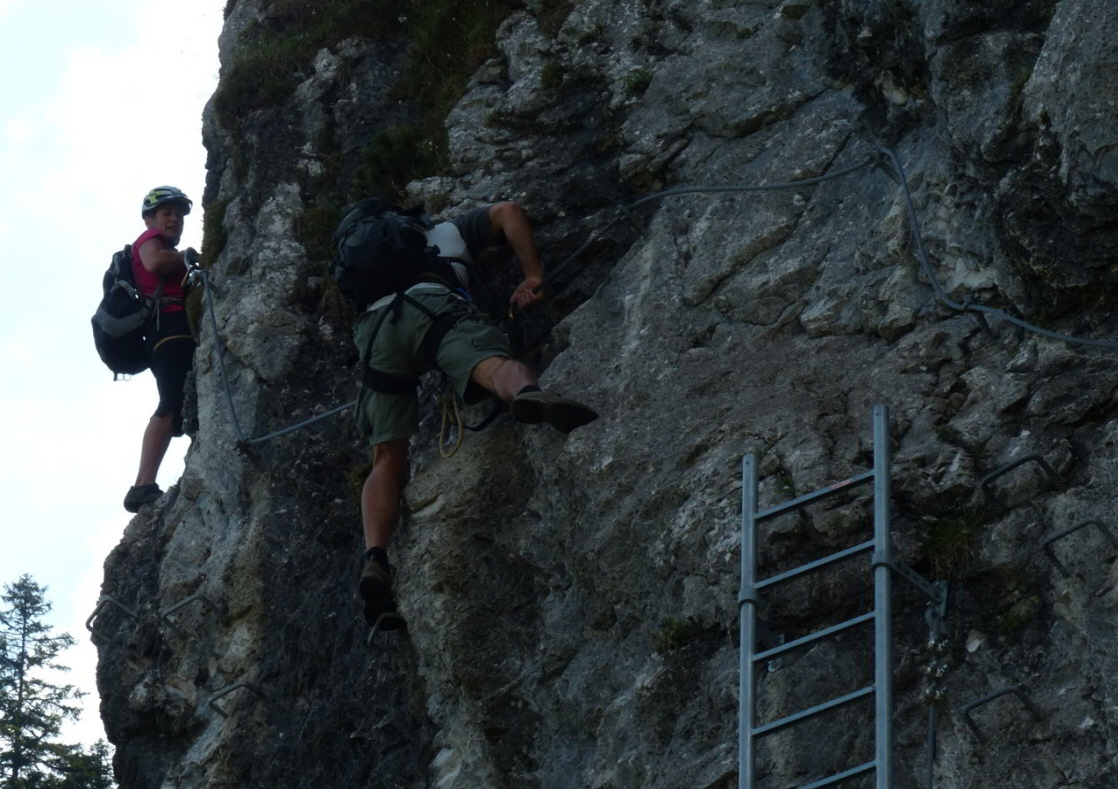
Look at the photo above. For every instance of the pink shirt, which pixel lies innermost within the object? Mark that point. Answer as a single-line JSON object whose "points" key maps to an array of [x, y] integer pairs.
{"points": [[148, 282]]}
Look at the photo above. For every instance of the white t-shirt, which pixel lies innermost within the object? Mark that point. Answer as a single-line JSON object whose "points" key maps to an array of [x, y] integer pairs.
{"points": [[452, 247]]}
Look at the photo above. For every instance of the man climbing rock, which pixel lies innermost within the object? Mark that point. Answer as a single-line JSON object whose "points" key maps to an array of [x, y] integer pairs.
{"points": [[425, 321], [160, 271]]}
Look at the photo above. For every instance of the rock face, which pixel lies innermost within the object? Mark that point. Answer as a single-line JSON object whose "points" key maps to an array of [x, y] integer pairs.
{"points": [[573, 599]]}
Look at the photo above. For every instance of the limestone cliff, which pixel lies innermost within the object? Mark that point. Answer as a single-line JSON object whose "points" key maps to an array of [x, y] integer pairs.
{"points": [[573, 600]]}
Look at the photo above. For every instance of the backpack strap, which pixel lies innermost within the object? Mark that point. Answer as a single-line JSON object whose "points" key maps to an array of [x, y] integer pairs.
{"points": [[377, 380], [152, 304], [441, 324]]}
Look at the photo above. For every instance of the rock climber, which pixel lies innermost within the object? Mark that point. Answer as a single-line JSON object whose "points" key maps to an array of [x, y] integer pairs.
{"points": [[475, 355], [161, 269]]}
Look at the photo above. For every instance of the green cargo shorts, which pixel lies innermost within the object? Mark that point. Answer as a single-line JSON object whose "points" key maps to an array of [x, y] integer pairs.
{"points": [[397, 351]]}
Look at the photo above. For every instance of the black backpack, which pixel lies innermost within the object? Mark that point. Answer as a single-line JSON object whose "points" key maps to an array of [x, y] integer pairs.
{"points": [[382, 250], [122, 317]]}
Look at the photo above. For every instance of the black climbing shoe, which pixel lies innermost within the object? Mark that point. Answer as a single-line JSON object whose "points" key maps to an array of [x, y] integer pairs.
{"points": [[376, 590], [139, 495], [563, 414]]}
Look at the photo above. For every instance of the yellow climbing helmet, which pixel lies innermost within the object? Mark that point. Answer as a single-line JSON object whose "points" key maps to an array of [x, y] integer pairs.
{"points": [[161, 195]]}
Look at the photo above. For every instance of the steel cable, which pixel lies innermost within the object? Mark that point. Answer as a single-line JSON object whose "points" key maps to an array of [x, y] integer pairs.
{"points": [[921, 254], [207, 288]]}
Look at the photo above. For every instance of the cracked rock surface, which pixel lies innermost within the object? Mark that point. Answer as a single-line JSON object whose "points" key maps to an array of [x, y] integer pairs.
{"points": [[572, 600]]}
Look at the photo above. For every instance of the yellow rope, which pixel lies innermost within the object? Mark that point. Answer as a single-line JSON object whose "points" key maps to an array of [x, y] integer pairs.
{"points": [[172, 337], [450, 406]]}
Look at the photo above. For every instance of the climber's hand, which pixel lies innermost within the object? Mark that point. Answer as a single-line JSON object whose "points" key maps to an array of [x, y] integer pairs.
{"points": [[527, 295]]}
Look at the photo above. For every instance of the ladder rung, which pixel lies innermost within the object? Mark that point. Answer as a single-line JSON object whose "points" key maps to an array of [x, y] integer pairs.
{"points": [[811, 712], [853, 772], [812, 637], [803, 569], [808, 498]]}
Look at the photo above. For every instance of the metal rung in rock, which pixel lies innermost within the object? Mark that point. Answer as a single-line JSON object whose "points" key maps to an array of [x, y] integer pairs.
{"points": [[104, 601], [1016, 690], [987, 482], [166, 617], [1048, 540], [212, 701]]}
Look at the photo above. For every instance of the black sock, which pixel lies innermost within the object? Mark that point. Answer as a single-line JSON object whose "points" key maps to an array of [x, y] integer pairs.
{"points": [[379, 554], [529, 388]]}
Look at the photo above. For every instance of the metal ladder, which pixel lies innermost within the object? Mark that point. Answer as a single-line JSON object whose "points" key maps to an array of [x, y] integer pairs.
{"points": [[883, 565]]}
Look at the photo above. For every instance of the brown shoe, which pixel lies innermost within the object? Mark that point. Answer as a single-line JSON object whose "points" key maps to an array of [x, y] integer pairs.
{"points": [[375, 589], [563, 414], [139, 495]]}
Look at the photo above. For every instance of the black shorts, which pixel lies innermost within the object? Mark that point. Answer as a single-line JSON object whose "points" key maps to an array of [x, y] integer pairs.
{"points": [[171, 350]]}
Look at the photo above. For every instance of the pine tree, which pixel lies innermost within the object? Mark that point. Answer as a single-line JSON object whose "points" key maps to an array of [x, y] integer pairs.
{"points": [[32, 709], [90, 769]]}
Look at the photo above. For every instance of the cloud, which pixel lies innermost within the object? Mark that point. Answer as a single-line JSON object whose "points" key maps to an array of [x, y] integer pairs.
{"points": [[131, 119], [7, 5]]}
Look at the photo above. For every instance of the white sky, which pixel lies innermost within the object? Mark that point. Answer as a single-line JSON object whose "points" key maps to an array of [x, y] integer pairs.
{"points": [[99, 102]]}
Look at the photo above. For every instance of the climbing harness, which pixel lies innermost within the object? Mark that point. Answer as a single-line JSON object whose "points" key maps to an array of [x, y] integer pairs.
{"points": [[886, 158], [441, 324]]}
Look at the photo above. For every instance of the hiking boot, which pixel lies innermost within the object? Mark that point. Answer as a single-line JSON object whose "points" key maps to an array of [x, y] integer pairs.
{"points": [[139, 495], [375, 589], [563, 414]]}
